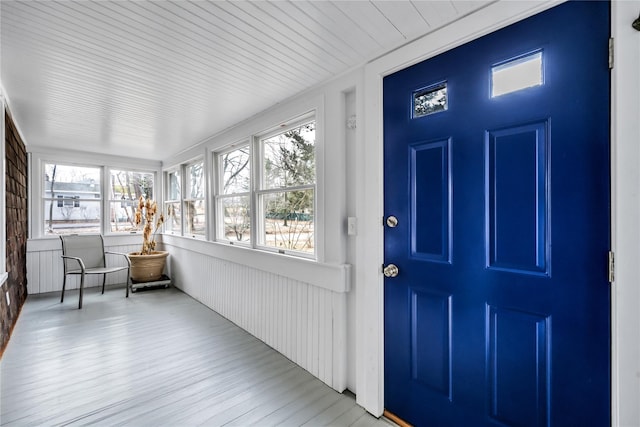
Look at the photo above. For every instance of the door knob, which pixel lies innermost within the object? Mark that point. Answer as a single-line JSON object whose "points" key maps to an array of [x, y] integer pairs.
{"points": [[392, 221], [390, 270]]}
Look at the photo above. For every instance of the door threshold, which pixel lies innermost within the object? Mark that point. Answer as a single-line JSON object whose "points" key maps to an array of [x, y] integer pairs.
{"points": [[396, 419]]}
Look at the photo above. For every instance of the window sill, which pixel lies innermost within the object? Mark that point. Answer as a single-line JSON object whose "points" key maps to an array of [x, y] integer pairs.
{"points": [[334, 277]]}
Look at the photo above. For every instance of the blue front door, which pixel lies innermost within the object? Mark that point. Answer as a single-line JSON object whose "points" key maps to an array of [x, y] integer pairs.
{"points": [[497, 179]]}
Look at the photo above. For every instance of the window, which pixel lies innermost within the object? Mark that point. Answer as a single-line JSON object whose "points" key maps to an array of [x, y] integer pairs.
{"points": [[233, 200], [173, 219], [88, 199], [194, 201], [68, 201], [72, 199], [126, 187], [186, 209], [275, 210], [517, 74], [429, 100], [286, 193]]}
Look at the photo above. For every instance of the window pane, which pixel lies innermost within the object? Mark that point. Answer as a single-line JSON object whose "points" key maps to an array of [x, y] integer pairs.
{"points": [[236, 171], [80, 217], [128, 185], [71, 181], [430, 100], [173, 185], [122, 215], [288, 220], [517, 74], [72, 199], [172, 218], [195, 219], [195, 176], [236, 217], [289, 158]]}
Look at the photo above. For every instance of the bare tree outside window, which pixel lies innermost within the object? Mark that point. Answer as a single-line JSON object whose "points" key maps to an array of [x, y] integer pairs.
{"points": [[194, 202], [50, 177], [173, 203], [126, 189], [234, 202], [288, 196], [278, 205]]}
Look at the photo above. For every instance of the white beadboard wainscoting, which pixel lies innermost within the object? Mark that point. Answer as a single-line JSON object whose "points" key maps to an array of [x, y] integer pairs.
{"points": [[297, 306], [44, 264]]}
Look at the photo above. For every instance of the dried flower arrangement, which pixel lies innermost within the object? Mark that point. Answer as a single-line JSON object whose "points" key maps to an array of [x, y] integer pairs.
{"points": [[147, 210]]}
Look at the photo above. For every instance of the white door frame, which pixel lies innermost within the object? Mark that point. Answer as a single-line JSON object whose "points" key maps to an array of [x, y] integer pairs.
{"points": [[625, 198]]}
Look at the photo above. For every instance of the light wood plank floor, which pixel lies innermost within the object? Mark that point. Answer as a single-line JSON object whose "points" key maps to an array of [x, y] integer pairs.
{"points": [[156, 358]]}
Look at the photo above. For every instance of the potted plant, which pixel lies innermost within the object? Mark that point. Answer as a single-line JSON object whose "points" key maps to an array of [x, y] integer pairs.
{"points": [[148, 264]]}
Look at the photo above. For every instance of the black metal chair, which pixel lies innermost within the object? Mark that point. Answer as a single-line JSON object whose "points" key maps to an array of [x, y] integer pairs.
{"points": [[85, 254]]}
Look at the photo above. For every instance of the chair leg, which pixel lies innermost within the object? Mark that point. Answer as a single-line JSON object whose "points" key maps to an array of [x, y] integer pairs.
{"points": [[64, 283], [81, 290], [128, 279], [104, 279]]}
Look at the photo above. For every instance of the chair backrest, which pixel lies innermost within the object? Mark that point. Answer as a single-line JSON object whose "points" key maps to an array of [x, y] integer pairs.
{"points": [[88, 247]]}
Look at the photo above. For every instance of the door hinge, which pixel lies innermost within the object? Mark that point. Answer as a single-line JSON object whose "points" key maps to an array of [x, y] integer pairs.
{"points": [[611, 53], [612, 266]]}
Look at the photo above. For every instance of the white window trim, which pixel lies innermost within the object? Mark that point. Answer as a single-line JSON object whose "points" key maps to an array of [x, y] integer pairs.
{"points": [[41, 198], [106, 175], [39, 156], [167, 200], [182, 169], [256, 156], [217, 229], [185, 199], [258, 187]]}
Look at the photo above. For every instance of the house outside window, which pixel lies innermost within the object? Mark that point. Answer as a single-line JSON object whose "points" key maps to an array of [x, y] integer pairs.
{"points": [[72, 199]]}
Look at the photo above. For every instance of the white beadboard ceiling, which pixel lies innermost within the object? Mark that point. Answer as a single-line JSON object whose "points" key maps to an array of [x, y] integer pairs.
{"points": [[150, 78]]}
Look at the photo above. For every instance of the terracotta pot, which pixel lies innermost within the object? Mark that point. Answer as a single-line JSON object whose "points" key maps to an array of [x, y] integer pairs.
{"points": [[147, 268]]}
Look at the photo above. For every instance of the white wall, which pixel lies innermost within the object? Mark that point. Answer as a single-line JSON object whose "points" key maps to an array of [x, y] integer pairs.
{"points": [[351, 136]]}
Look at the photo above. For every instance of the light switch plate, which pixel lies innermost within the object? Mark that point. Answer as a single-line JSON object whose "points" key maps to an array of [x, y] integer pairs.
{"points": [[352, 226]]}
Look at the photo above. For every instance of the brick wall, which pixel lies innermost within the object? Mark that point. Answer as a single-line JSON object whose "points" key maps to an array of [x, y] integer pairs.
{"points": [[16, 217]]}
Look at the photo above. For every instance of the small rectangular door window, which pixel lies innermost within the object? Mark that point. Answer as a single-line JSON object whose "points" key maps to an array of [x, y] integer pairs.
{"points": [[516, 74]]}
